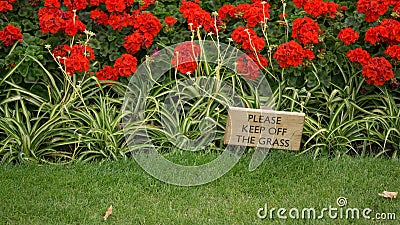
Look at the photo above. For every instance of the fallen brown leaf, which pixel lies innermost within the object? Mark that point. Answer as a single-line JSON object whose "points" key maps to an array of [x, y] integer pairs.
{"points": [[388, 194], [108, 212]]}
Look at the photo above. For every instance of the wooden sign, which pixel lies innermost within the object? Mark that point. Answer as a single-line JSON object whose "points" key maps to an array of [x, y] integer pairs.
{"points": [[264, 128]]}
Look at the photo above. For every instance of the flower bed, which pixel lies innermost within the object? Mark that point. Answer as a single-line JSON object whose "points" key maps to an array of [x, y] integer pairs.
{"points": [[337, 61]]}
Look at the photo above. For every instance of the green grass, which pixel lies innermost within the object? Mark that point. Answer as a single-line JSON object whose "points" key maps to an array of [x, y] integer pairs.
{"points": [[81, 193]]}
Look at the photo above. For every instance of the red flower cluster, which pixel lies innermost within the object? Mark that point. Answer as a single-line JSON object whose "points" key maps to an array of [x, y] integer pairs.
{"points": [[372, 9], [318, 7], [9, 34], [126, 65], [119, 20], [255, 13], [6, 5], [185, 55], [291, 54], [393, 51], [348, 35], [99, 16], [305, 30], [75, 59], [75, 4], [117, 5], [146, 27], [52, 19], [359, 55], [248, 38], [226, 12], [107, 73], [387, 31], [196, 16], [170, 20], [249, 65], [377, 71]]}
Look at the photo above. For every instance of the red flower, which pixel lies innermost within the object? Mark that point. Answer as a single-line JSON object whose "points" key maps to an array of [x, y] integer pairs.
{"points": [[148, 23], [107, 73], [249, 65], [319, 8], [9, 34], [393, 51], [52, 3], [348, 35], [305, 30], [248, 39], [289, 54], [299, 3], [196, 16], [119, 20], [75, 58], [393, 28], [99, 16], [133, 42], [308, 54], [95, 2], [358, 55], [170, 20], [376, 34], [5, 6], [185, 56], [144, 4], [72, 26], [50, 20], [75, 4], [226, 11], [126, 65], [372, 9], [377, 71], [256, 13], [115, 5]]}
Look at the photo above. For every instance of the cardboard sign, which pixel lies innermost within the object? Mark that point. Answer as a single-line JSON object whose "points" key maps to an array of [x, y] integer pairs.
{"points": [[264, 128]]}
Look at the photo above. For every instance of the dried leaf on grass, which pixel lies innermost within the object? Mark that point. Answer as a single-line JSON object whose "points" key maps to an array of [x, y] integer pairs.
{"points": [[108, 212], [388, 194]]}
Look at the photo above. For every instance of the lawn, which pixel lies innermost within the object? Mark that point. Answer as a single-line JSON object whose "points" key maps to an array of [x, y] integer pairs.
{"points": [[81, 193]]}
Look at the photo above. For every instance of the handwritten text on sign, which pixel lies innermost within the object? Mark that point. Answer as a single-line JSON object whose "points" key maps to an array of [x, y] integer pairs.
{"points": [[264, 128]]}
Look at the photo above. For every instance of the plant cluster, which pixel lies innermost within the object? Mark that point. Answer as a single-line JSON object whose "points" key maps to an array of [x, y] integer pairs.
{"points": [[65, 65]]}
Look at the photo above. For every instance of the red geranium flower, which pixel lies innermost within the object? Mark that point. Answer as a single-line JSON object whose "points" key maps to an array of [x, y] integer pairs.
{"points": [[248, 39], [348, 35], [290, 54], [148, 23], [256, 13], [226, 11], [52, 3], [5, 6], [305, 30], [372, 9], [249, 65], [376, 34], [196, 16], [99, 16], [107, 73], [377, 71], [358, 55], [9, 34], [393, 51], [75, 4], [170, 20], [126, 65], [185, 57]]}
